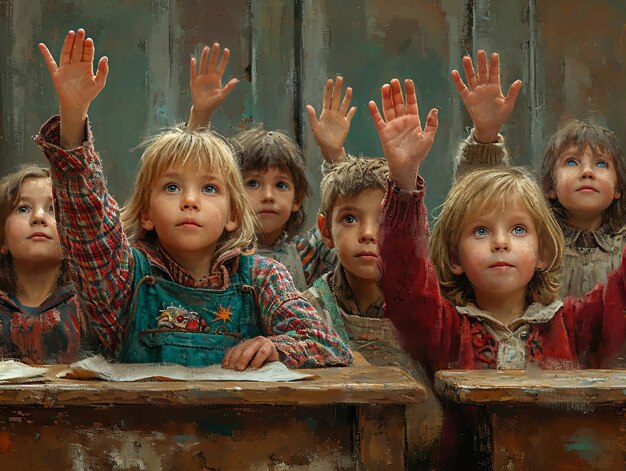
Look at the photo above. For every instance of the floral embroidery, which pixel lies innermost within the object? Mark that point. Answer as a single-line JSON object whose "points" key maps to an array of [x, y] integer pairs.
{"points": [[484, 344], [178, 318]]}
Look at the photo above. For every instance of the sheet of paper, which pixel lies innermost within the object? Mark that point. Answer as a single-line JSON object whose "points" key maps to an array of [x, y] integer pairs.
{"points": [[97, 367], [11, 370]]}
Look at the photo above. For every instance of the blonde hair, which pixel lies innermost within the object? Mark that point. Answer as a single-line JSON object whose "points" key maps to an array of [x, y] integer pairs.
{"points": [[203, 148], [477, 192], [10, 193], [259, 150], [350, 178]]}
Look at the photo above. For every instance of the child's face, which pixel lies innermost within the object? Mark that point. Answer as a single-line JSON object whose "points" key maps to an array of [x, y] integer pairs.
{"points": [[499, 253], [30, 229], [189, 209], [354, 233], [585, 183], [271, 195]]}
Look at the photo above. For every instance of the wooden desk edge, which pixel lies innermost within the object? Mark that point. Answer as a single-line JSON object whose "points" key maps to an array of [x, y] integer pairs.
{"points": [[349, 386]]}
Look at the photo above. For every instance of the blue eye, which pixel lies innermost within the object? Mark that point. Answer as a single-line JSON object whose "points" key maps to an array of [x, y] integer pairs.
{"points": [[282, 185], [349, 219], [481, 232], [519, 230], [171, 188], [571, 163], [602, 164], [22, 209], [252, 183], [209, 189]]}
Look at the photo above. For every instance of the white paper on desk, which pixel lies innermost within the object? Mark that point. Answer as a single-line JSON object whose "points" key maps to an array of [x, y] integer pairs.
{"points": [[97, 367], [11, 370]]}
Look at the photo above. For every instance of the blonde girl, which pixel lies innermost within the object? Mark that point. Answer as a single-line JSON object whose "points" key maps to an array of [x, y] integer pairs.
{"points": [[488, 295], [178, 286]]}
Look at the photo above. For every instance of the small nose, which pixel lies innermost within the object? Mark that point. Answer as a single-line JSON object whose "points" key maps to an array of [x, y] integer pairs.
{"points": [[267, 193], [39, 217], [500, 242], [369, 232], [190, 201], [587, 170]]}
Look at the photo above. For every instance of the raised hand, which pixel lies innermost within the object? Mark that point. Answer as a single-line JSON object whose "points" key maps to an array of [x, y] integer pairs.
{"points": [[405, 143], [75, 83], [205, 85], [483, 97], [331, 130]]}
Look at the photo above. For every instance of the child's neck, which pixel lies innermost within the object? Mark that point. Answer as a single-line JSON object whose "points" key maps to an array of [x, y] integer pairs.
{"points": [[35, 283], [586, 222], [504, 308], [268, 239], [366, 292]]}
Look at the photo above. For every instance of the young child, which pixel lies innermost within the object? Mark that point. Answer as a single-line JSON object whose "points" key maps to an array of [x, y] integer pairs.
{"points": [[349, 299], [274, 169], [489, 297], [185, 292], [40, 316], [583, 174]]}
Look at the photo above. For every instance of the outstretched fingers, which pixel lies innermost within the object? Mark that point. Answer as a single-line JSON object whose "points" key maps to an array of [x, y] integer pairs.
{"points": [[48, 59], [89, 51], [459, 84], [511, 96], [379, 122], [313, 122], [470, 74], [215, 52], [411, 97], [102, 72], [389, 112], [494, 69], [483, 72], [77, 49], [398, 99], [345, 103], [328, 95], [432, 123], [336, 96], [223, 63]]}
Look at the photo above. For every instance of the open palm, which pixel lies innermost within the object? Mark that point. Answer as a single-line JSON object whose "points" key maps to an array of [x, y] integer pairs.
{"points": [[405, 143], [73, 79], [205, 83]]}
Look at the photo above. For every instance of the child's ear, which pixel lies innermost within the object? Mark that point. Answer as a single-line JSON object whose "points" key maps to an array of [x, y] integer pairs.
{"points": [[455, 264], [327, 237], [552, 195], [617, 195], [542, 263], [4, 250], [232, 223], [295, 207], [146, 222]]}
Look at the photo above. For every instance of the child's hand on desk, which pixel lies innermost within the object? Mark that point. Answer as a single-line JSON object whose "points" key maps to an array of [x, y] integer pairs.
{"points": [[75, 83], [405, 143], [253, 353], [331, 130], [483, 97], [205, 85]]}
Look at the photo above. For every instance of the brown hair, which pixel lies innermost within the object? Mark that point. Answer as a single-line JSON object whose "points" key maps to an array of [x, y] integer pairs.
{"points": [[580, 135], [350, 178], [10, 193], [482, 190], [258, 150], [178, 146]]}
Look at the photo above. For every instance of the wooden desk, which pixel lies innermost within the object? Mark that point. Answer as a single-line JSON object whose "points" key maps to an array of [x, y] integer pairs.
{"points": [[554, 420], [347, 418]]}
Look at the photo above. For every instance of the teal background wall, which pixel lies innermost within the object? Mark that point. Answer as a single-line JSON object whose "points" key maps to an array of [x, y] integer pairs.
{"points": [[570, 55]]}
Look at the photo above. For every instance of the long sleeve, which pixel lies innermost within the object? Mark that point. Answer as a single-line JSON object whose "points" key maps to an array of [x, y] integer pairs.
{"points": [[598, 320], [474, 155], [91, 233], [317, 258], [302, 339], [427, 323]]}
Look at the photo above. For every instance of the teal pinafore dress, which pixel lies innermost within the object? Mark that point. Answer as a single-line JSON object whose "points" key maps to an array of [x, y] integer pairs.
{"points": [[172, 323]]}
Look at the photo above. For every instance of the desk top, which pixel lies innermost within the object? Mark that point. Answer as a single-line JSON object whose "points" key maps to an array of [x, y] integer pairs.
{"points": [[507, 387], [362, 384]]}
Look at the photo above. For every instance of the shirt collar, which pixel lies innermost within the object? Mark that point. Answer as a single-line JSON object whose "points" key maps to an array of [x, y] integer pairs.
{"points": [[345, 297]]}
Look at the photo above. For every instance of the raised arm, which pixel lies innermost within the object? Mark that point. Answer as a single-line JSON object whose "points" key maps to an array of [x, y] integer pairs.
{"points": [[489, 110], [426, 322], [88, 217], [75, 83], [332, 129], [205, 85]]}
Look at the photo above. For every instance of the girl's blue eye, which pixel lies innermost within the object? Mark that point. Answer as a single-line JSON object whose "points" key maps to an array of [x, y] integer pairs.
{"points": [[349, 219], [252, 184], [171, 188], [210, 189], [282, 185], [22, 209], [481, 232], [571, 163], [519, 230], [602, 164]]}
